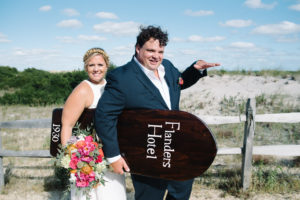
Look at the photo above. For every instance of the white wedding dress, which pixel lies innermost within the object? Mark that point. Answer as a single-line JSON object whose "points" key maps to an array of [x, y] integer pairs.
{"points": [[114, 187]]}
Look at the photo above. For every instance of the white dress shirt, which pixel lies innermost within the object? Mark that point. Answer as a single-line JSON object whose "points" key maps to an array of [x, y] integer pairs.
{"points": [[160, 83]]}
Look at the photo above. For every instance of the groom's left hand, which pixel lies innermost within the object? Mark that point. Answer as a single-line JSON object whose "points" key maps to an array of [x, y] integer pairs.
{"points": [[201, 65]]}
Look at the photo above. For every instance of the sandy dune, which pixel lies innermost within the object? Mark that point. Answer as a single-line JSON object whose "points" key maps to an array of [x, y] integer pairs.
{"points": [[210, 90]]}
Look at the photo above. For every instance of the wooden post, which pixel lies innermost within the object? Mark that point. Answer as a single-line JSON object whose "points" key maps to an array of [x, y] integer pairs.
{"points": [[248, 143], [1, 166]]}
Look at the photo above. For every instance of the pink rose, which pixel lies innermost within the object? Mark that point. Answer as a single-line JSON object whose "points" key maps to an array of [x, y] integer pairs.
{"points": [[73, 164], [89, 139], [85, 151], [92, 176], [74, 157], [87, 159], [74, 161], [82, 180], [82, 183], [99, 159]]}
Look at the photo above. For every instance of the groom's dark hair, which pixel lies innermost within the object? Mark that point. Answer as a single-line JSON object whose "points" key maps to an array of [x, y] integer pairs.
{"points": [[151, 32]]}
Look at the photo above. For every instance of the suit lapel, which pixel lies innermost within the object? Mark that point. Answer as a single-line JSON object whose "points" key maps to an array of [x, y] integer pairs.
{"points": [[145, 81], [168, 79]]}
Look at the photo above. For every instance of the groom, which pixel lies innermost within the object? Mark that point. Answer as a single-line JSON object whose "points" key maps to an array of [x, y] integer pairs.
{"points": [[146, 82]]}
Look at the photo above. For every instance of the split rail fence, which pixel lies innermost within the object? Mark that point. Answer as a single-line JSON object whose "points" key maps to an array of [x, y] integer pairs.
{"points": [[247, 150]]}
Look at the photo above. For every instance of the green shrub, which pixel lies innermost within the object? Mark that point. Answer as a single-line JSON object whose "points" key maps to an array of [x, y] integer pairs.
{"points": [[37, 87], [7, 75]]}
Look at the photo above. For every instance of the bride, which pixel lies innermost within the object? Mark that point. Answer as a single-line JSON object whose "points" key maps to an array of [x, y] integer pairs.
{"points": [[86, 95]]}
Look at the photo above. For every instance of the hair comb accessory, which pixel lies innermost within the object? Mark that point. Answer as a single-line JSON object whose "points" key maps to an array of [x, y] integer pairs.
{"points": [[93, 51]]}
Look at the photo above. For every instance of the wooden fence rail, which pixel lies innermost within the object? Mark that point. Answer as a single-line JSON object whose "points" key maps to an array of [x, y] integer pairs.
{"points": [[250, 118]]}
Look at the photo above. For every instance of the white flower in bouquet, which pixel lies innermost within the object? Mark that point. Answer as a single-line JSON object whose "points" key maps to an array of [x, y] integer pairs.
{"points": [[65, 161]]}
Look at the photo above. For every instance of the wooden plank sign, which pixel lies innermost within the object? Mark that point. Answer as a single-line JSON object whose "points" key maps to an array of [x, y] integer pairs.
{"points": [[165, 144]]}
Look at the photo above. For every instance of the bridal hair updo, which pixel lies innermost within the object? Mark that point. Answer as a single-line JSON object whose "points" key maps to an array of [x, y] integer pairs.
{"points": [[94, 52]]}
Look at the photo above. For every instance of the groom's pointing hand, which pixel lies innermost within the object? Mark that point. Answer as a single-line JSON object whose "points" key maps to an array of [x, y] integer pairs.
{"points": [[201, 64]]}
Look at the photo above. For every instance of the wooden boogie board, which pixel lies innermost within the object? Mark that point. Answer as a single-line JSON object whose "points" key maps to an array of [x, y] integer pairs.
{"points": [[173, 145], [86, 121]]}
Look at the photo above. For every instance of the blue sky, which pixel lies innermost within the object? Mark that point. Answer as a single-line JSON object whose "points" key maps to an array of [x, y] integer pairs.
{"points": [[239, 34]]}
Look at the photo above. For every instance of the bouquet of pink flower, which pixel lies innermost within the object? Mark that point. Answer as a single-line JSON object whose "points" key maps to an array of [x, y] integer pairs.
{"points": [[84, 159]]}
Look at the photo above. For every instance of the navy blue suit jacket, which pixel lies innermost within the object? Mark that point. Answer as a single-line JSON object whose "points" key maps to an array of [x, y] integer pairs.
{"points": [[129, 88]]}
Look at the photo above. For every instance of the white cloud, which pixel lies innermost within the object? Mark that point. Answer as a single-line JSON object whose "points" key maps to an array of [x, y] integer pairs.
{"points": [[91, 38], [45, 8], [118, 28], [198, 13], [34, 52], [198, 38], [218, 48], [282, 28], [295, 7], [65, 39], [242, 45], [177, 39], [3, 38], [188, 52], [106, 15], [123, 50], [70, 12], [259, 4], [120, 55], [71, 23], [19, 52], [46, 59], [287, 39], [79, 38], [237, 23]]}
